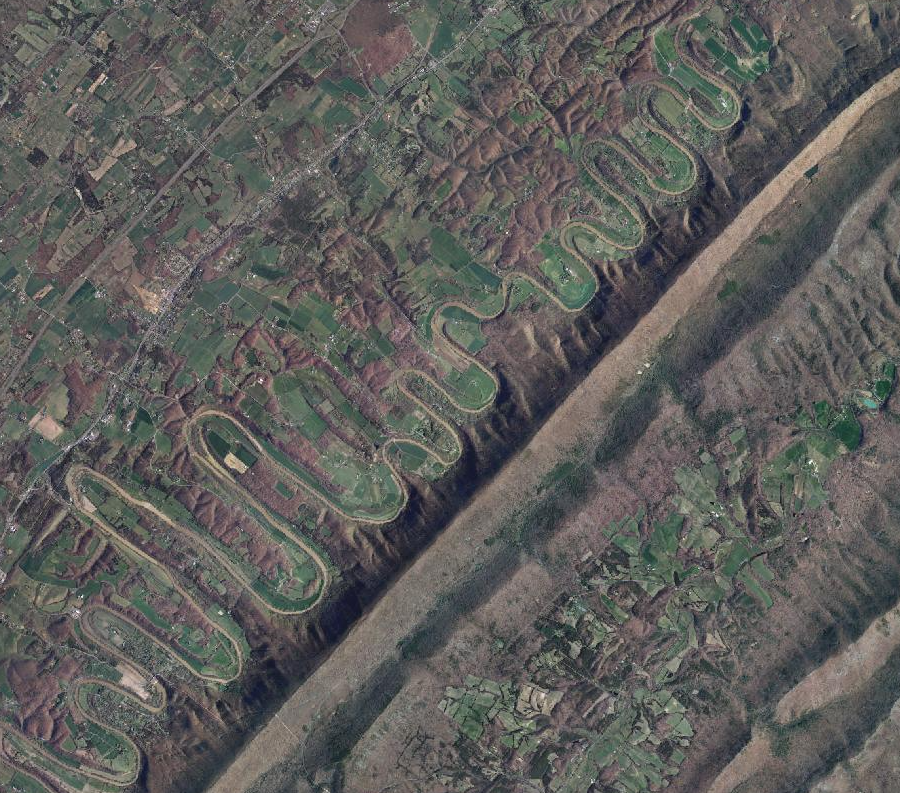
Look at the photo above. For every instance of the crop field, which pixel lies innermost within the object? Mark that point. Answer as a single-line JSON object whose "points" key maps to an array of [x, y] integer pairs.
{"points": [[585, 241], [792, 482], [648, 160], [368, 493], [715, 104], [287, 579], [572, 280], [664, 154], [354, 412], [685, 564], [738, 50], [282, 282], [100, 570], [665, 106]]}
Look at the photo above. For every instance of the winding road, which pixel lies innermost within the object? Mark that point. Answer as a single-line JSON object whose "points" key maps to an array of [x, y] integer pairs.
{"points": [[460, 549]]}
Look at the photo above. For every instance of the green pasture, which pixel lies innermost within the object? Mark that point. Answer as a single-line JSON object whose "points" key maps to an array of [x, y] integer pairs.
{"points": [[752, 35], [612, 217], [288, 585], [17, 782], [572, 282], [677, 172], [676, 568], [410, 457], [409, 420], [588, 244], [63, 768], [53, 563], [448, 273], [203, 654], [523, 293], [361, 489], [739, 51], [464, 328], [471, 388], [713, 104], [312, 395], [114, 753], [106, 749], [480, 701], [794, 481], [312, 320], [669, 111], [628, 745], [291, 584]]}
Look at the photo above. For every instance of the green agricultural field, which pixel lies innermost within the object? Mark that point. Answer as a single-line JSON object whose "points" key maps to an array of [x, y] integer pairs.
{"points": [[793, 482], [19, 782], [716, 107], [588, 244], [739, 51], [670, 108], [422, 427], [471, 389], [207, 657], [613, 219], [630, 175], [290, 585], [365, 490], [752, 34], [464, 328], [53, 764], [214, 653], [675, 167], [667, 107], [686, 563], [572, 281]]}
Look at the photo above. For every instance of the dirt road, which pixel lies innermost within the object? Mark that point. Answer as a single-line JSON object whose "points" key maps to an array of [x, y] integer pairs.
{"points": [[460, 549]]}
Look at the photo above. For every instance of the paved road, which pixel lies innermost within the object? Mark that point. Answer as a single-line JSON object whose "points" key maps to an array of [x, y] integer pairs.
{"points": [[324, 29]]}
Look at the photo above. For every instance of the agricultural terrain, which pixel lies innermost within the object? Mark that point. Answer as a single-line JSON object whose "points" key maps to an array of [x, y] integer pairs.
{"points": [[636, 620], [290, 291]]}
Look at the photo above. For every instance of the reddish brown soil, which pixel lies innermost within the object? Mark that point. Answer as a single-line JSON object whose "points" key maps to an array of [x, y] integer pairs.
{"points": [[384, 38]]}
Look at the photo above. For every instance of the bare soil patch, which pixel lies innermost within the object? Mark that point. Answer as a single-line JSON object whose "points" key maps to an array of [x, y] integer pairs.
{"points": [[383, 36], [46, 425]]}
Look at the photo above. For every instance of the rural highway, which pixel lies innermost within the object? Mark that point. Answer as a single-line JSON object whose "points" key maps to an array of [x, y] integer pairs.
{"points": [[137, 219]]}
